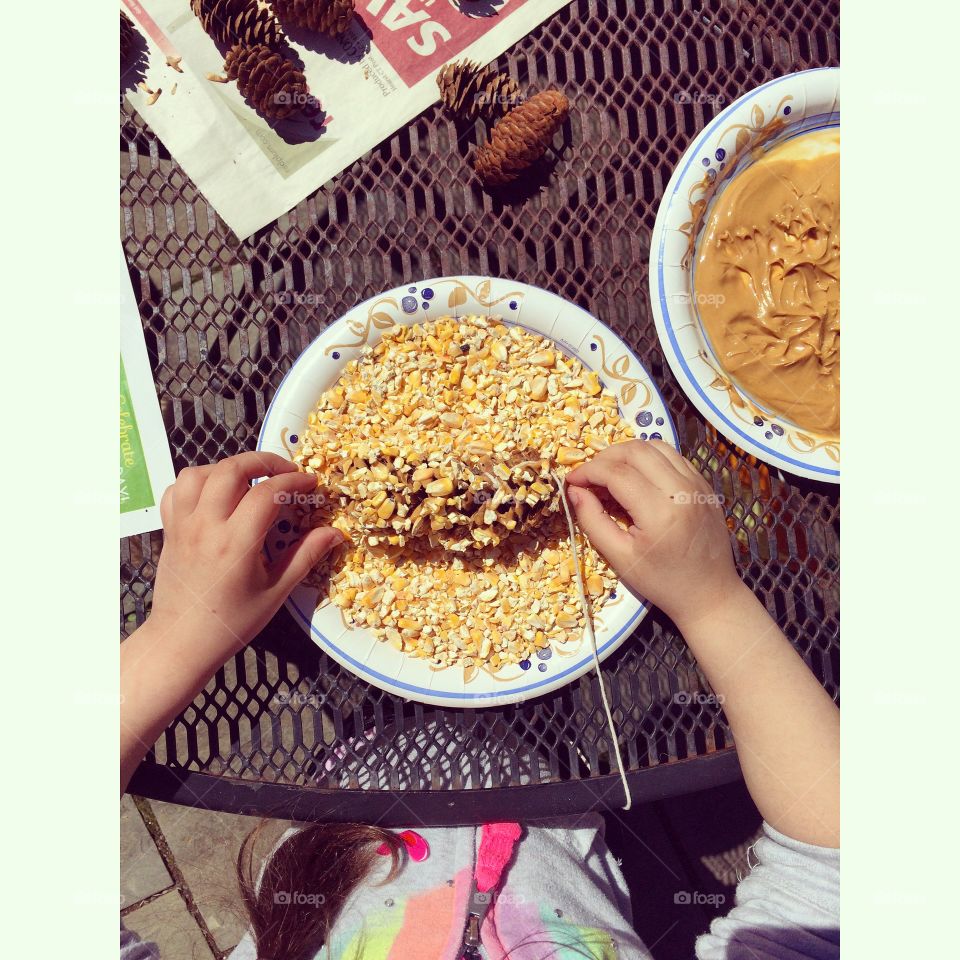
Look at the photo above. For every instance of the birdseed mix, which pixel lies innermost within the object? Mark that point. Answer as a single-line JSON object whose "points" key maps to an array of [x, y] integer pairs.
{"points": [[435, 453]]}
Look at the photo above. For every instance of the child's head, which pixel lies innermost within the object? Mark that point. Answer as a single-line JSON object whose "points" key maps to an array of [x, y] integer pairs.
{"points": [[305, 882]]}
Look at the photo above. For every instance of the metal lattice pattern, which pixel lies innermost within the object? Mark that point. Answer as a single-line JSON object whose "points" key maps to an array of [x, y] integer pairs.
{"points": [[224, 321]]}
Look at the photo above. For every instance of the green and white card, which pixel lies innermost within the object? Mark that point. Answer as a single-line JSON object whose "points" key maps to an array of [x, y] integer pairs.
{"points": [[146, 468]]}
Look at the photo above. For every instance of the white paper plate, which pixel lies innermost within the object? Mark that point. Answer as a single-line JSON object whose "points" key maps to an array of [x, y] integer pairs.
{"points": [[576, 333], [777, 111]]}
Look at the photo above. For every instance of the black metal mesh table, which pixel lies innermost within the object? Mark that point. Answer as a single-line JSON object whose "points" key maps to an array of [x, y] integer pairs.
{"points": [[282, 729]]}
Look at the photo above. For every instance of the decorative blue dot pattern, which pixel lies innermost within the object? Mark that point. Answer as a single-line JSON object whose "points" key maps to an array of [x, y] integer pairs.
{"points": [[427, 293], [524, 664], [645, 418], [409, 304], [335, 354]]}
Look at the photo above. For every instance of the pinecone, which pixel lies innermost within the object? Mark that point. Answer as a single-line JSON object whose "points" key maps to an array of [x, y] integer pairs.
{"points": [[238, 21], [472, 91], [326, 16], [521, 138], [128, 37], [274, 86]]}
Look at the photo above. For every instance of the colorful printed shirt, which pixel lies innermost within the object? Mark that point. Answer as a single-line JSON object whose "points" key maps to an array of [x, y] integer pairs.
{"points": [[564, 898]]}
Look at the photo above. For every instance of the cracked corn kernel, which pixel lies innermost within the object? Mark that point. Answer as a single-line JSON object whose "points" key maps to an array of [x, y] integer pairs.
{"points": [[403, 400], [570, 455], [440, 488], [543, 358], [591, 383]]}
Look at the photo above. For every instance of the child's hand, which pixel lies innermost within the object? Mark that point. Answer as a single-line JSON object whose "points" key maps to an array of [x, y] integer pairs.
{"points": [[214, 589], [676, 552]]}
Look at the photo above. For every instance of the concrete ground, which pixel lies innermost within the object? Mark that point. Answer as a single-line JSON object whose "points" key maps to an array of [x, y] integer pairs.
{"points": [[178, 886], [177, 877]]}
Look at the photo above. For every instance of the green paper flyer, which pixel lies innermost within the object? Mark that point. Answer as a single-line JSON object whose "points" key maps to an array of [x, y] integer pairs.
{"points": [[146, 468], [135, 490]]}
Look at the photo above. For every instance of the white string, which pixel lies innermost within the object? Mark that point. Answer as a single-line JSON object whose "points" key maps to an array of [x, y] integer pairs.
{"points": [[593, 638]]}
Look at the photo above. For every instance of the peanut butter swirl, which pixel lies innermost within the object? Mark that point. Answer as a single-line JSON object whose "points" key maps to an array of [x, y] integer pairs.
{"points": [[767, 281]]}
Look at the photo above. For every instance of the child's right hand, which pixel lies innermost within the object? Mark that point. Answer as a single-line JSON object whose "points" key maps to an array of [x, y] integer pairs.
{"points": [[676, 553]]}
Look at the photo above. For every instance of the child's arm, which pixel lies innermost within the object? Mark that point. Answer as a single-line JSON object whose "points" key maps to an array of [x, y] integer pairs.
{"points": [[677, 554], [214, 591]]}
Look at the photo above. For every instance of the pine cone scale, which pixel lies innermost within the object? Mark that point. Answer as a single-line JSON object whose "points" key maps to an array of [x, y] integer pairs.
{"points": [[475, 91], [274, 86], [323, 16], [521, 138], [128, 37], [238, 21]]}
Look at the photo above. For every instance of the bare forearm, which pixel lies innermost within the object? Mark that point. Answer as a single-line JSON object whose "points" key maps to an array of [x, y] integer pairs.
{"points": [[156, 683], [786, 727], [215, 589]]}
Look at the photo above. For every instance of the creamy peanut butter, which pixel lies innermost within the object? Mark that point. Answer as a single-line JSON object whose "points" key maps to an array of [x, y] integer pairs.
{"points": [[767, 280]]}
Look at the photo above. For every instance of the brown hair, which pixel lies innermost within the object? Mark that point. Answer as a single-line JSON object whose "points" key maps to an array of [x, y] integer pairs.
{"points": [[305, 882]]}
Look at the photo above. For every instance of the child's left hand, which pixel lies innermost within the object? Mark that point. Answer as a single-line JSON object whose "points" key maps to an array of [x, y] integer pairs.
{"points": [[214, 588]]}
